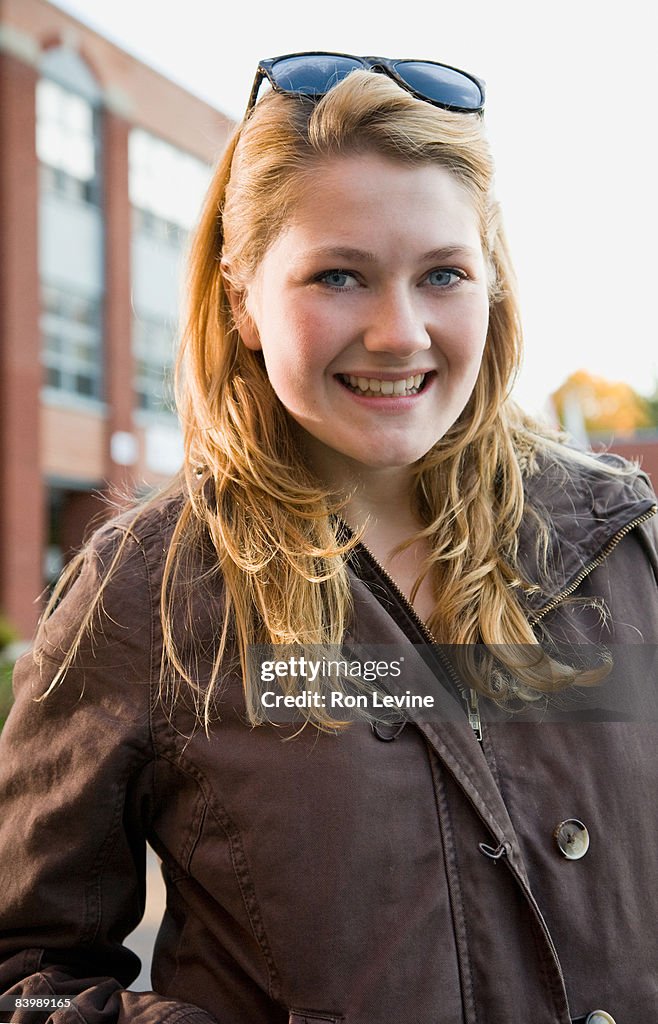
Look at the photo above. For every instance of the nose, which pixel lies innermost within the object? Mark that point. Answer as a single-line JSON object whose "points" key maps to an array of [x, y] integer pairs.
{"points": [[396, 325]]}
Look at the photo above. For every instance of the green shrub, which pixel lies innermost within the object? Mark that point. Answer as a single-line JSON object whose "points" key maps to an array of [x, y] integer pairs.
{"points": [[7, 636], [6, 669], [7, 632]]}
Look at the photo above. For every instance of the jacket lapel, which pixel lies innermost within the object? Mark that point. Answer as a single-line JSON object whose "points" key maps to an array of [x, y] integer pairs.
{"points": [[445, 726]]}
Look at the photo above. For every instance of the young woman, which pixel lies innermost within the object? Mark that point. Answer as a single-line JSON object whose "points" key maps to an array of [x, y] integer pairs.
{"points": [[357, 476]]}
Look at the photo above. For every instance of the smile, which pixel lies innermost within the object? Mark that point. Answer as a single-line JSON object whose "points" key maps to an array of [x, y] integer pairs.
{"points": [[374, 387]]}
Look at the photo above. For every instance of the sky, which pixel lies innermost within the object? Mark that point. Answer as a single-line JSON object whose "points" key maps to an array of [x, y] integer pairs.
{"points": [[571, 119]]}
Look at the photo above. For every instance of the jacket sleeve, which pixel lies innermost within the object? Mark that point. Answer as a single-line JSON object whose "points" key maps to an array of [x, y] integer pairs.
{"points": [[75, 797]]}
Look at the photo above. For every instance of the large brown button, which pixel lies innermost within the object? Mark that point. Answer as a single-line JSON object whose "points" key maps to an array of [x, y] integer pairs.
{"points": [[572, 839], [599, 1017]]}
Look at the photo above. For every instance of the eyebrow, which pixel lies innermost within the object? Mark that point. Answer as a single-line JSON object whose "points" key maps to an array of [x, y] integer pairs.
{"points": [[341, 252]]}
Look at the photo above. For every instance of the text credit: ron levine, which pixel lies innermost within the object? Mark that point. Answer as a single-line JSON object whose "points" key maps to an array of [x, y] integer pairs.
{"points": [[310, 670]]}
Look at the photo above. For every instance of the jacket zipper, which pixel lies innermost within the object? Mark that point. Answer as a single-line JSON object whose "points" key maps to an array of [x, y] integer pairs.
{"points": [[594, 564], [470, 697]]}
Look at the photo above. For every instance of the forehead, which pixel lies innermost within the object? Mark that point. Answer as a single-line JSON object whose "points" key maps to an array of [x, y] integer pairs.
{"points": [[366, 201]]}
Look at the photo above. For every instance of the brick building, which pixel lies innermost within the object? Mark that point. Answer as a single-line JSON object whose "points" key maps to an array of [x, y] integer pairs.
{"points": [[103, 164]]}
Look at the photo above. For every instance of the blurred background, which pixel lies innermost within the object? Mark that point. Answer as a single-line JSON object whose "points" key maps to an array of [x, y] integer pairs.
{"points": [[112, 113]]}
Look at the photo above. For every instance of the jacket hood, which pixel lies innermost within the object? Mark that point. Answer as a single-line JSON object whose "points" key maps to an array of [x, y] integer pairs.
{"points": [[587, 503]]}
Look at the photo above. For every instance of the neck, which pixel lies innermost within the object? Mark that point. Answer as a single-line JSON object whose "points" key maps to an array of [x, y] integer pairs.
{"points": [[379, 498], [382, 501]]}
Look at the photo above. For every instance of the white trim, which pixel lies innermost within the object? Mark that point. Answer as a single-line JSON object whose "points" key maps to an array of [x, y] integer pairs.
{"points": [[76, 403], [64, 65], [150, 418], [19, 44], [119, 102]]}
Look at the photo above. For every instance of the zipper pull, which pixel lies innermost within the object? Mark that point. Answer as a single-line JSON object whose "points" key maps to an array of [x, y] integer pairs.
{"points": [[473, 709]]}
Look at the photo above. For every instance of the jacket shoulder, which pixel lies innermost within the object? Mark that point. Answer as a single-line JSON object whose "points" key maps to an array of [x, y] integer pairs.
{"points": [[563, 478], [578, 506], [148, 526], [106, 604]]}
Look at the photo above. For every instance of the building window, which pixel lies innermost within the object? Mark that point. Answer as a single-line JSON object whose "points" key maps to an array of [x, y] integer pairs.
{"points": [[67, 142], [153, 347], [162, 230], [165, 182], [166, 188], [71, 342]]}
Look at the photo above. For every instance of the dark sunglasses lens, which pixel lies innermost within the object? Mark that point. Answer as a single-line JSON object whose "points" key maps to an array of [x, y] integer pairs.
{"points": [[442, 85], [312, 75]]}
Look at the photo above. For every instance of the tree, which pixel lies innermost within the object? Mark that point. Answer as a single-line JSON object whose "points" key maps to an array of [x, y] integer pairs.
{"points": [[610, 407]]}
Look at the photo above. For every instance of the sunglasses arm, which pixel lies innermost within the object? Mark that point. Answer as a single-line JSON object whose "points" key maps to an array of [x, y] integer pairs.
{"points": [[253, 96]]}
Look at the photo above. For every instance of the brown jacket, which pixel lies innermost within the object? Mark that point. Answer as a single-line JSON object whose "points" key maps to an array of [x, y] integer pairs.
{"points": [[339, 877]]}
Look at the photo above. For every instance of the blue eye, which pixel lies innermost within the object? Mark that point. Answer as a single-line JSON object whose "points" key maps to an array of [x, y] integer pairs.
{"points": [[445, 278], [338, 279]]}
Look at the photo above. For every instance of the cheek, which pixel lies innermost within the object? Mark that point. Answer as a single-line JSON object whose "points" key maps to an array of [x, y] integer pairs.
{"points": [[294, 364], [468, 336], [302, 345], [312, 321], [480, 335]]}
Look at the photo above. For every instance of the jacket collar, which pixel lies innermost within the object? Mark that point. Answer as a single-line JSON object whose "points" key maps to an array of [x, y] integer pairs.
{"points": [[587, 510]]}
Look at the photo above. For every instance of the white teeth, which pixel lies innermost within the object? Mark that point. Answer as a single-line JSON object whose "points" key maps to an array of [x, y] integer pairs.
{"points": [[375, 386]]}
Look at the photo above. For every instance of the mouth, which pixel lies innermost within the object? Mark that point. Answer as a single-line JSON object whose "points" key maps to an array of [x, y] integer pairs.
{"points": [[375, 387]]}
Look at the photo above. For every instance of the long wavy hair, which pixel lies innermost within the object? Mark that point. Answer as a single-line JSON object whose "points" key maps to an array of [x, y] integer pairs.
{"points": [[273, 527]]}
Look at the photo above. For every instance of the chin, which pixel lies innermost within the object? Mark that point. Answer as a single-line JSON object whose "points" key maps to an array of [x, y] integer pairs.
{"points": [[389, 460]]}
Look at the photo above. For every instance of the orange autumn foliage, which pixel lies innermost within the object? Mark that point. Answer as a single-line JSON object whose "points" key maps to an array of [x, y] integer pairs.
{"points": [[606, 406]]}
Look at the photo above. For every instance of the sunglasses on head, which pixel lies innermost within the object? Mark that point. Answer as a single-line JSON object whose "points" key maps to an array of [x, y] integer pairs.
{"points": [[315, 73]]}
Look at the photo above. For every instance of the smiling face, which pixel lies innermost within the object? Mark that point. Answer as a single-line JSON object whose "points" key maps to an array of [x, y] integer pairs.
{"points": [[371, 310]]}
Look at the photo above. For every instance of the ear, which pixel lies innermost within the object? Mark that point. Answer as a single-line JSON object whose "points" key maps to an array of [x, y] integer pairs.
{"points": [[244, 322]]}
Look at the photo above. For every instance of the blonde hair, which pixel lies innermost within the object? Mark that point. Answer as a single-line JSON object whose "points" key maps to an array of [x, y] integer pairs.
{"points": [[272, 525]]}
